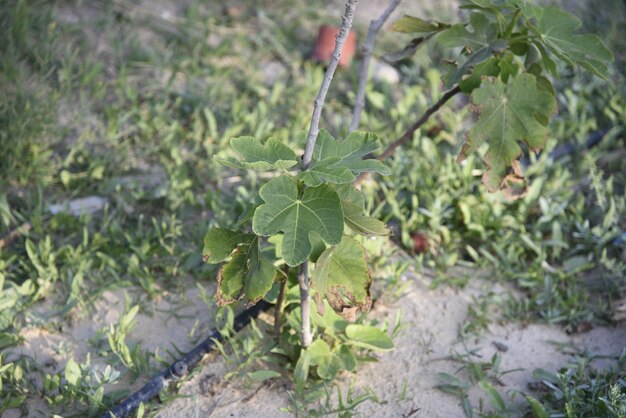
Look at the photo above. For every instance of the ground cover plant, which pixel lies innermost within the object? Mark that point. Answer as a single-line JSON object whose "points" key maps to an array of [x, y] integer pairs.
{"points": [[143, 116]]}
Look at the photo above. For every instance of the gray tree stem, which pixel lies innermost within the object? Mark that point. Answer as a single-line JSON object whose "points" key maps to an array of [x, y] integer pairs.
{"points": [[306, 336], [346, 24], [364, 66], [303, 273]]}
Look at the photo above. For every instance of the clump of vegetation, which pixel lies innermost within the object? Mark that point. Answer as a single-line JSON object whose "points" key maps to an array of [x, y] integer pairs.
{"points": [[92, 106]]}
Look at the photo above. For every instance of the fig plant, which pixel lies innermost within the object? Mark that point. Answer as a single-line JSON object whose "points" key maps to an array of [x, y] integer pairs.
{"points": [[310, 210]]}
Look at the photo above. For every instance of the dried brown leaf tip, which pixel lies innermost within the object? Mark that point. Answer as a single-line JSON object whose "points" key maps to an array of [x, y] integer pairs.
{"points": [[514, 185]]}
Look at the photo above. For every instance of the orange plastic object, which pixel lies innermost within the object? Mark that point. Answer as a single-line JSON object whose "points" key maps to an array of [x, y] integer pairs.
{"points": [[325, 45]]}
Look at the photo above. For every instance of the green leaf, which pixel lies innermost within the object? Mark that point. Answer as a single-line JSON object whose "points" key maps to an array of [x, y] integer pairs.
{"points": [[72, 372], [247, 270], [327, 171], [328, 363], [456, 73], [508, 67], [509, 113], [538, 410], [219, 243], [338, 162], [318, 247], [341, 274], [482, 33], [369, 337], [453, 381], [503, 66], [230, 278], [257, 156], [479, 44], [301, 371], [260, 277], [544, 375], [347, 357], [410, 24], [556, 30], [353, 204], [486, 68], [319, 210], [467, 407], [494, 396]]}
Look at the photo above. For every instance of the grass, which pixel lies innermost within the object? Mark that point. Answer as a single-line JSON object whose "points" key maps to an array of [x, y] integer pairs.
{"points": [[118, 101]]}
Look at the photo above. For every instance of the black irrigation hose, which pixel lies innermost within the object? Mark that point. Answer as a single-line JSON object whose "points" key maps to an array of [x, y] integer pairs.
{"points": [[179, 369]]}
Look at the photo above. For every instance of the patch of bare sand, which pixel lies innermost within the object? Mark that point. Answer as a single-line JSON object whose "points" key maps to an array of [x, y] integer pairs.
{"points": [[404, 379], [164, 324]]}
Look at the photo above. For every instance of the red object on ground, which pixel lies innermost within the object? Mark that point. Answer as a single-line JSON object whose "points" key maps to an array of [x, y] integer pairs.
{"points": [[420, 242], [325, 45]]}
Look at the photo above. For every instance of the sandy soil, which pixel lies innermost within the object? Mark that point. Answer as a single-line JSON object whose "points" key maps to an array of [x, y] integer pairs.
{"points": [[403, 380]]}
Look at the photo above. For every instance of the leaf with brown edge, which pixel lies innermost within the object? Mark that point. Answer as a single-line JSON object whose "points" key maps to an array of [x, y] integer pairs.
{"points": [[230, 279], [219, 243], [509, 113], [342, 276], [514, 184], [248, 273]]}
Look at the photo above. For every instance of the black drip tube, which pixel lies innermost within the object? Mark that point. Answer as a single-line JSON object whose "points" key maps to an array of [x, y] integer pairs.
{"points": [[180, 368]]}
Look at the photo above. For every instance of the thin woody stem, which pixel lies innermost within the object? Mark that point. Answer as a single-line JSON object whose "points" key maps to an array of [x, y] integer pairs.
{"points": [[408, 134], [306, 335], [364, 66], [346, 24], [303, 274]]}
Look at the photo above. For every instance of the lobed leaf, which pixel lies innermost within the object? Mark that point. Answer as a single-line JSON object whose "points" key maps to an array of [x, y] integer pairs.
{"points": [[327, 171], [503, 66], [483, 31], [219, 243], [518, 111], [353, 204], [327, 361], [258, 156], [317, 210], [341, 274], [480, 44], [247, 273], [339, 162], [555, 29]]}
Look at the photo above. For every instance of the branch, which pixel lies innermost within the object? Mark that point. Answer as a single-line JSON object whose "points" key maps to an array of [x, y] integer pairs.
{"points": [[303, 274], [408, 134], [346, 24], [364, 66]]}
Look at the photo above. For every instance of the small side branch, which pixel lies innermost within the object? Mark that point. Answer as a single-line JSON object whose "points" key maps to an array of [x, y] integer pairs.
{"points": [[346, 24], [408, 134], [364, 66]]}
